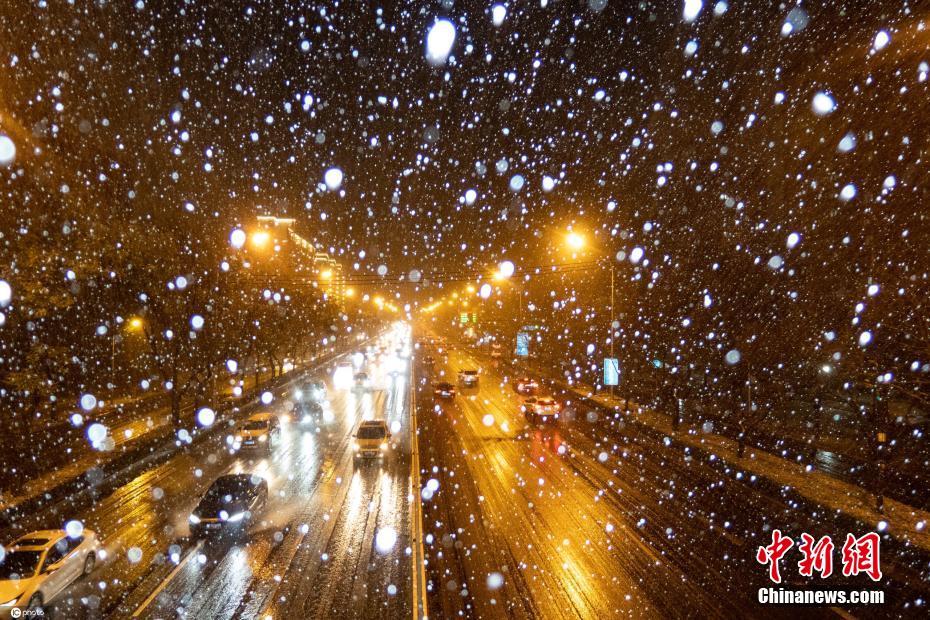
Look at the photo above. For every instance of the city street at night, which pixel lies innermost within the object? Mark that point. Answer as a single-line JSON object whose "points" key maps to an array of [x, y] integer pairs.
{"points": [[153, 568], [465, 310]]}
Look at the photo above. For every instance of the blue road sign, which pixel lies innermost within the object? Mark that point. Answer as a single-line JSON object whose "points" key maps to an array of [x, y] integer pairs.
{"points": [[611, 371]]}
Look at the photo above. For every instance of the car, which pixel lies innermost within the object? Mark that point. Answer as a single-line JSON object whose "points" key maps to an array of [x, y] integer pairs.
{"points": [[445, 390], [372, 439], [525, 385], [342, 375], [310, 413], [468, 378], [38, 566], [541, 410], [317, 390], [260, 431], [229, 505]]}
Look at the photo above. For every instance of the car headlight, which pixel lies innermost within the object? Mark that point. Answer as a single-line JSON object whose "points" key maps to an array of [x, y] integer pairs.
{"points": [[263, 438], [384, 445], [194, 519], [236, 517], [10, 602], [238, 439], [355, 446]]}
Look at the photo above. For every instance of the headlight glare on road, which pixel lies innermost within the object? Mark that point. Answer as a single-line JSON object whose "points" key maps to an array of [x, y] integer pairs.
{"points": [[194, 519]]}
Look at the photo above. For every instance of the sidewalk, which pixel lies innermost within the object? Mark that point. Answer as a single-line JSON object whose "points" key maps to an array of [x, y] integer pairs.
{"points": [[903, 522]]}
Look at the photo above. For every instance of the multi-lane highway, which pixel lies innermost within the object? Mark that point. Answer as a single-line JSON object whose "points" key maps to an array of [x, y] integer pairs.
{"points": [[333, 539], [594, 518]]}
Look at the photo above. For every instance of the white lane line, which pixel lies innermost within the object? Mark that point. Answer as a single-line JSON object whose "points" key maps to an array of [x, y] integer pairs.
{"points": [[164, 583]]}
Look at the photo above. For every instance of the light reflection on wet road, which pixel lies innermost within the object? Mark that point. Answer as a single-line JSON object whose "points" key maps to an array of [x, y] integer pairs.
{"points": [[313, 545], [592, 518], [581, 519]]}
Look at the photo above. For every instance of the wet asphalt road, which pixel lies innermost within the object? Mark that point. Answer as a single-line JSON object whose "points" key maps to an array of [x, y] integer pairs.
{"points": [[311, 552], [593, 518]]}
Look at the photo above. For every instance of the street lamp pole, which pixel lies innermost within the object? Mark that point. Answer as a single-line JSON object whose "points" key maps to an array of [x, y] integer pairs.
{"points": [[611, 331], [112, 357]]}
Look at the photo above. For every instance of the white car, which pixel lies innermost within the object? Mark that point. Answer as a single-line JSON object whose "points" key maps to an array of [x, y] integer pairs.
{"points": [[541, 410], [468, 378], [260, 431], [38, 566]]}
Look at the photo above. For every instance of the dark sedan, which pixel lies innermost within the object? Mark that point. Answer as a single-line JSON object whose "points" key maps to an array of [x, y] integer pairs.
{"points": [[229, 505], [445, 391]]}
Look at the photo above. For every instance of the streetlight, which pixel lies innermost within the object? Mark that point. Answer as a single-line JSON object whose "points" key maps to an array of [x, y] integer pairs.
{"points": [[260, 239], [504, 272], [134, 324], [576, 242]]}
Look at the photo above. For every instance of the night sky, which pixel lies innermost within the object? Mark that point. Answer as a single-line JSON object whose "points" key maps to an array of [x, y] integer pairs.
{"points": [[696, 139]]}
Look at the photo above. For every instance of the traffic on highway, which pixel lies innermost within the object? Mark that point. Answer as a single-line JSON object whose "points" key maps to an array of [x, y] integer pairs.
{"points": [[266, 492], [464, 310]]}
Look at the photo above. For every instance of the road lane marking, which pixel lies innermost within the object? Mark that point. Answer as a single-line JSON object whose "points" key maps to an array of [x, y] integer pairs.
{"points": [[418, 568], [164, 583]]}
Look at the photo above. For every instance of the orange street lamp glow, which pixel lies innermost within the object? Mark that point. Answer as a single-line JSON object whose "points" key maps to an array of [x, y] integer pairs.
{"points": [[135, 323], [326, 275], [350, 292], [260, 238], [575, 241]]}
